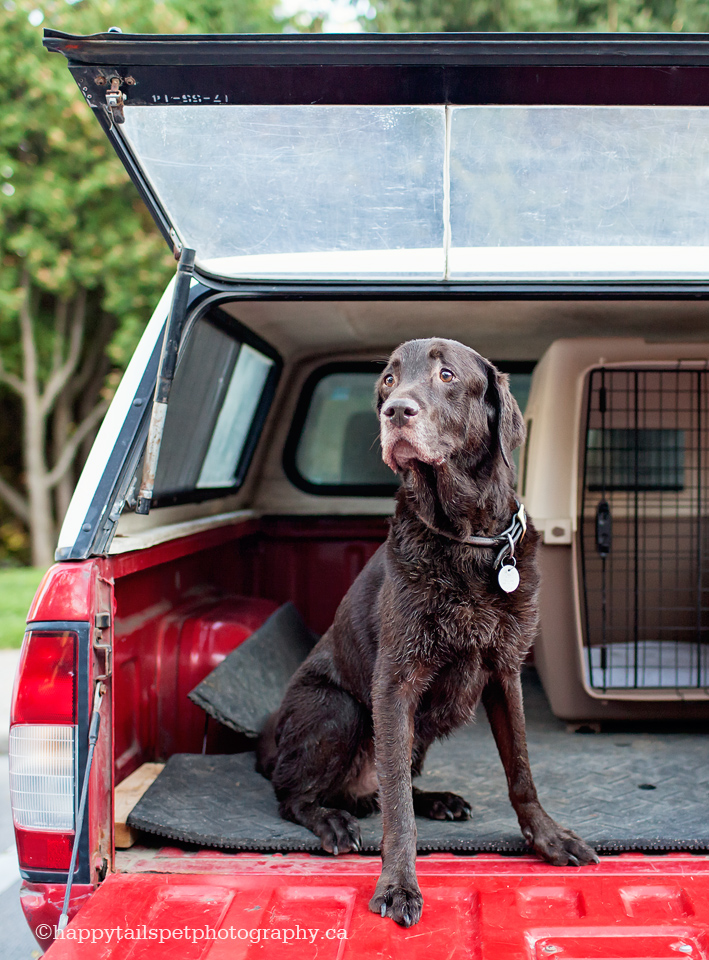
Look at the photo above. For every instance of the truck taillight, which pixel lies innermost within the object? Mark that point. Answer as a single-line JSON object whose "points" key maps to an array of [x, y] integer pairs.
{"points": [[42, 749]]}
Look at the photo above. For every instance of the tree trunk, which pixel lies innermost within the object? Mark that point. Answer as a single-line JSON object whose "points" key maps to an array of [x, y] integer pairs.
{"points": [[42, 535], [39, 500], [91, 379], [55, 396], [61, 426]]}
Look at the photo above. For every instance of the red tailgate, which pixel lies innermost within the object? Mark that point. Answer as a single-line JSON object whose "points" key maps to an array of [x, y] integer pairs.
{"points": [[302, 907]]}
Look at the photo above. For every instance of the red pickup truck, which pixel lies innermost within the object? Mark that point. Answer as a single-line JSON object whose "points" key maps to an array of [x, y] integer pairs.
{"points": [[539, 197]]}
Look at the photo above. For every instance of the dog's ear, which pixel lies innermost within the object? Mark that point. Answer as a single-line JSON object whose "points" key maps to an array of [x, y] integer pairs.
{"points": [[506, 423]]}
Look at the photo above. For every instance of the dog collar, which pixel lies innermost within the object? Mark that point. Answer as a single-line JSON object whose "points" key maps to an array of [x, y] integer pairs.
{"points": [[507, 540]]}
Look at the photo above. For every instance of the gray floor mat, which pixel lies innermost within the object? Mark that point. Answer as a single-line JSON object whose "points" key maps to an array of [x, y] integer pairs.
{"points": [[620, 791], [249, 684]]}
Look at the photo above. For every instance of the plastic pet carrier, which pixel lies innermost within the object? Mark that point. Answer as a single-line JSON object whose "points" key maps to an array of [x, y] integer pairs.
{"points": [[615, 474]]}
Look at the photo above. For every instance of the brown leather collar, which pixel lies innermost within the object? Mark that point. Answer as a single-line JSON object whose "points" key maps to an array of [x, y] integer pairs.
{"points": [[508, 539]]}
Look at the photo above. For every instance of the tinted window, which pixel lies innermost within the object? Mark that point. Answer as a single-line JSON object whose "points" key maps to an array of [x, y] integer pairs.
{"points": [[217, 399], [340, 439]]}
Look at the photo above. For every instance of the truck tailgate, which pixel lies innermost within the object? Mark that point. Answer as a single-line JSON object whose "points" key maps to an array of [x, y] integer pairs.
{"points": [[486, 906]]}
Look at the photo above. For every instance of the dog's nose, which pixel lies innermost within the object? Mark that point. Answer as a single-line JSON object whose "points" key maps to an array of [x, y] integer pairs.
{"points": [[399, 412]]}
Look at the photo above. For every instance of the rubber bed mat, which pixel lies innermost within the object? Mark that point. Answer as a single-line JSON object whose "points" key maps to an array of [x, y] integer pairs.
{"points": [[619, 791], [249, 684]]}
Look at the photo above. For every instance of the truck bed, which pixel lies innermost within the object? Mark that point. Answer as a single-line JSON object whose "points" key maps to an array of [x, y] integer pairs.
{"points": [[622, 790]]}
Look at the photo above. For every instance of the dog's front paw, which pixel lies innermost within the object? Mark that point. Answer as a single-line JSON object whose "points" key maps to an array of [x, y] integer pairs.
{"points": [[441, 806], [557, 845], [338, 832], [401, 901]]}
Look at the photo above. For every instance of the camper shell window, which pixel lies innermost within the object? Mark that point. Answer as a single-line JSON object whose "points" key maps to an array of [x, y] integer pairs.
{"points": [[223, 387]]}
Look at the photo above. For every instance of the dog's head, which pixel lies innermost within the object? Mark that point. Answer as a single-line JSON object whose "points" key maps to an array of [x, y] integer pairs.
{"points": [[440, 401]]}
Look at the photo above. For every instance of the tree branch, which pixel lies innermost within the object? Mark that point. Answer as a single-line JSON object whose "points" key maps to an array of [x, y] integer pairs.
{"points": [[94, 355], [59, 379], [10, 380], [29, 350], [61, 313], [69, 452], [15, 501], [62, 423]]}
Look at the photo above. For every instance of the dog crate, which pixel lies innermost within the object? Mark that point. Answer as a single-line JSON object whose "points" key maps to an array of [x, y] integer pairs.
{"points": [[616, 475]]}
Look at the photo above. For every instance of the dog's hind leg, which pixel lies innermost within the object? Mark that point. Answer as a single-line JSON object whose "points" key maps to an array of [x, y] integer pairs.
{"points": [[365, 806], [441, 805], [337, 830], [266, 749], [321, 734], [435, 805]]}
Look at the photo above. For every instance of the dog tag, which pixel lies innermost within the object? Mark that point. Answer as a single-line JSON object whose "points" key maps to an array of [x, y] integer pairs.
{"points": [[508, 578]]}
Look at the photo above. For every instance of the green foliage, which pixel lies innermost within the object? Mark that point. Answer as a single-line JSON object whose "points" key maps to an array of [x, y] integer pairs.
{"points": [[236, 16], [540, 15], [68, 214], [14, 542], [17, 588]]}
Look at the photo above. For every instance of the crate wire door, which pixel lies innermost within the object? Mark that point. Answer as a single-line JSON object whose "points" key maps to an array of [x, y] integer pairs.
{"points": [[644, 531]]}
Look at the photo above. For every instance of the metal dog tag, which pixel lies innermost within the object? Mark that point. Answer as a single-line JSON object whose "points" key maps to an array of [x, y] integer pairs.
{"points": [[508, 578]]}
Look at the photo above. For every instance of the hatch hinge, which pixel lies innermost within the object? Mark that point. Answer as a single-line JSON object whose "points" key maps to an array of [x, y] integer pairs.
{"points": [[116, 100]]}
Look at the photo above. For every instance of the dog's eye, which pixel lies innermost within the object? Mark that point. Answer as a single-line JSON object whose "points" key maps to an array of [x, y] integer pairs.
{"points": [[388, 380], [447, 375]]}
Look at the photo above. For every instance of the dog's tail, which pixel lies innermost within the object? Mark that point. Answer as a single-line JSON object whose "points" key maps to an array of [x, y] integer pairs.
{"points": [[266, 747]]}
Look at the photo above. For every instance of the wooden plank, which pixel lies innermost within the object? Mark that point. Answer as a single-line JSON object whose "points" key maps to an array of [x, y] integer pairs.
{"points": [[128, 793]]}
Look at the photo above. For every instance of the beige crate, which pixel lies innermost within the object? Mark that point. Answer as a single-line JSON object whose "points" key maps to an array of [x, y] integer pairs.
{"points": [[551, 486]]}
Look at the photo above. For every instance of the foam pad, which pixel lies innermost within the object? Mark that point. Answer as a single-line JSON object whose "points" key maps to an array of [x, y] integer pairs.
{"points": [[619, 791], [249, 684]]}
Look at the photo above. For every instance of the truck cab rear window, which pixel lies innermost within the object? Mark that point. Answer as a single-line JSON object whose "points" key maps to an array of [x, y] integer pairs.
{"points": [[334, 444], [334, 448]]}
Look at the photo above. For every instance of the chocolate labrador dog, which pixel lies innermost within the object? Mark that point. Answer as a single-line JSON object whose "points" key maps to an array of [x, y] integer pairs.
{"points": [[440, 618]]}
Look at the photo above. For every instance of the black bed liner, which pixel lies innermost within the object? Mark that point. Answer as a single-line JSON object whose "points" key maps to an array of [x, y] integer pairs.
{"points": [[622, 791]]}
